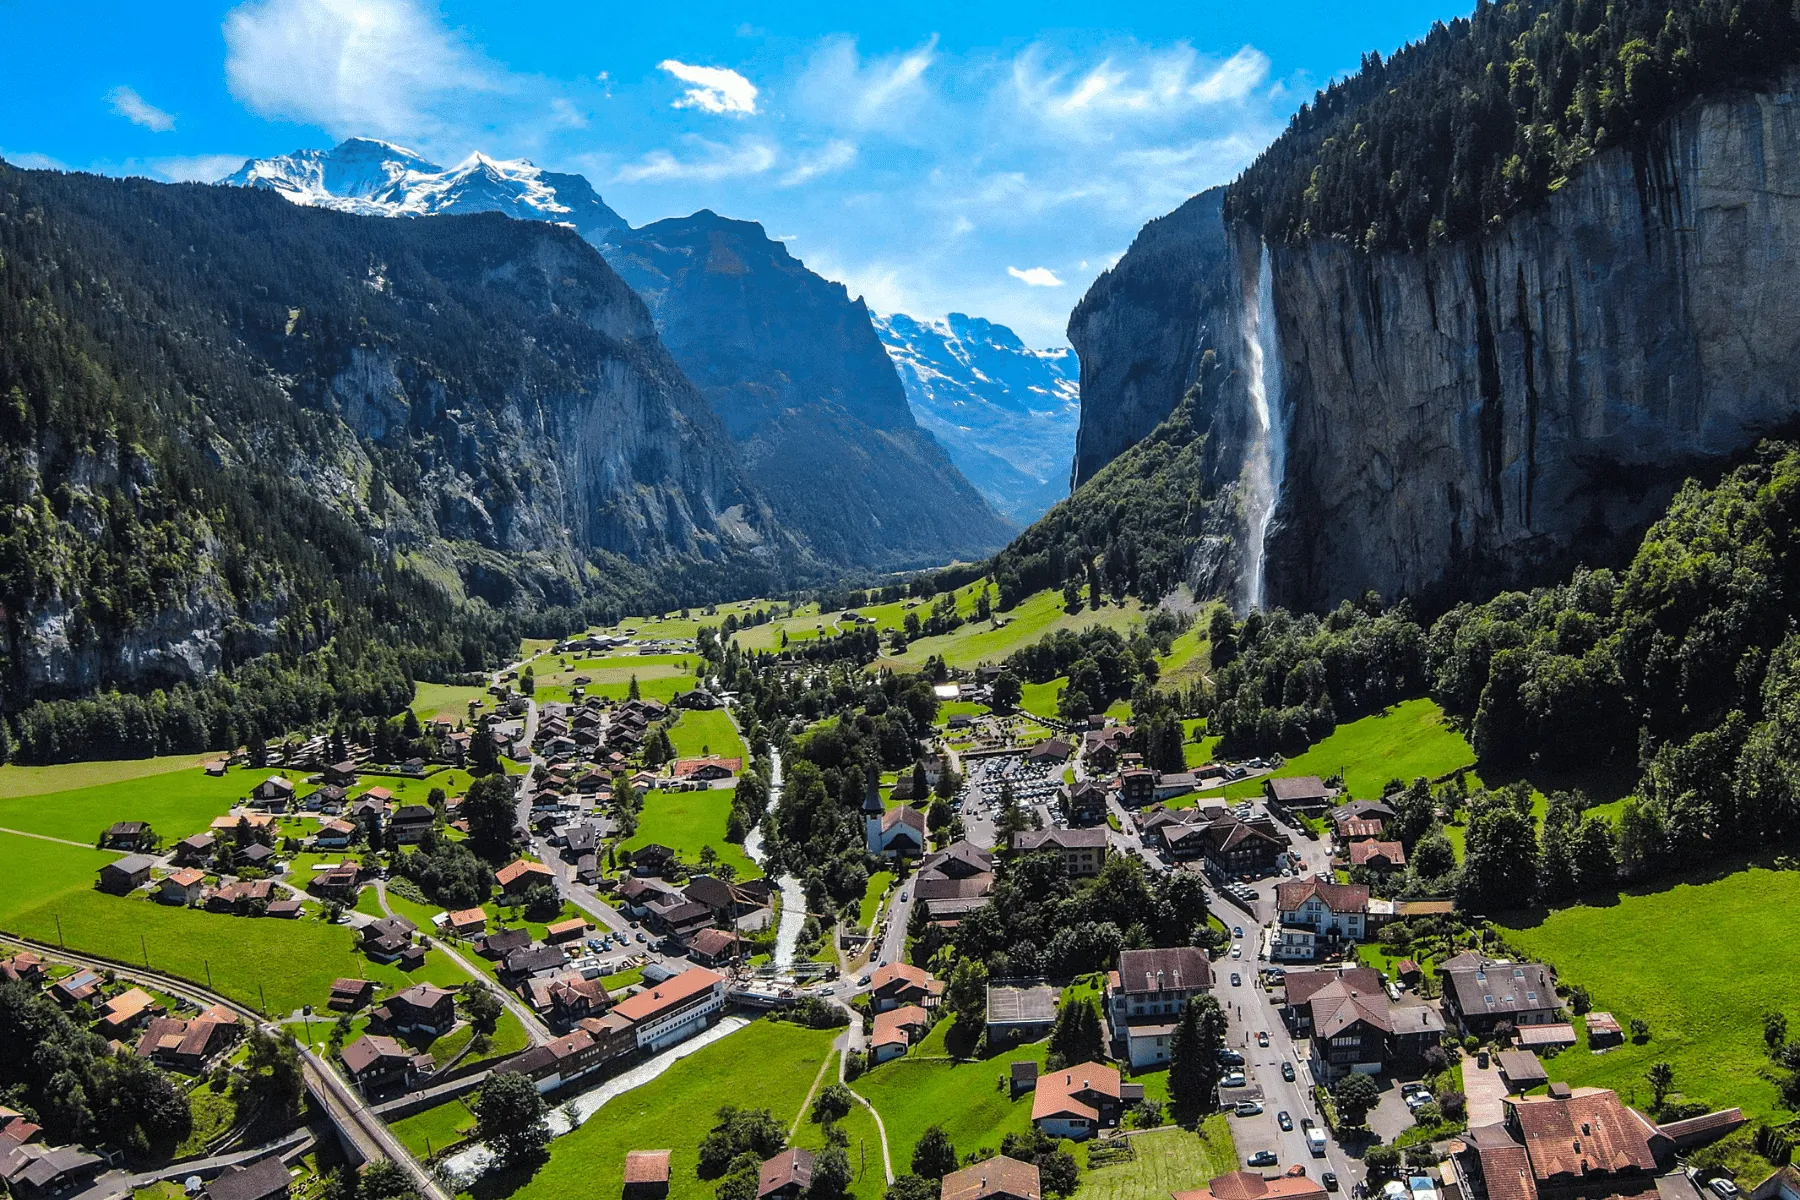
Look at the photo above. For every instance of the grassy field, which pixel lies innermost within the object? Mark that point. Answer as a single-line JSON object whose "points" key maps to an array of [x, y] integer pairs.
{"points": [[1032, 619], [43, 873], [36, 781], [176, 802], [1189, 660], [879, 883], [769, 1065], [913, 1094], [1168, 1160], [1700, 961], [688, 821], [867, 1180], [447, 700], [659, 676], [1411, 739], [434, 1130], [699, 733], [288, 963]]}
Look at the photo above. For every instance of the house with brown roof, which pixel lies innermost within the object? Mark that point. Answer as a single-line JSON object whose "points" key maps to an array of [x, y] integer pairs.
{"points": [[272, 794], [1249, 1185], [709, 769], [567, 999], [466, 922], [571, 930], [424, 1010], [1572, 1143], [520, 874], [189, 1046], [377, 1063], [194, 850], [128, 835], [955, 881], [1485, 993], [896, 1030], [1297, 791], [1318, 918], [1521, 1070], [126, 874], [646, 1174], [125, 1012], [1145, 997], [560, 1061], [1350, 1025], [1353, 829], [900, 983], [1378, 856], [714, 947], [997, 1178], [1078, 1102], [183, 887], [264, 1179], [787, 1176], [348, 995], [1083, 850]]}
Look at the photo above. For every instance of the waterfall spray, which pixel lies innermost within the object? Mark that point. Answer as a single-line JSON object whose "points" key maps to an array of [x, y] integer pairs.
{"points": [[1267, 460]]}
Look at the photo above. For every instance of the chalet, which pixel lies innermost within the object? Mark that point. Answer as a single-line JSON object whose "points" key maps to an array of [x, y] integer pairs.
{"points": [[726, 901], [125, 1012], [1318, 918], [189, 1046], [680, 918], [1353, 829], [183, 887], [637, 895], [36, 1172], [532, 960], [1378, 856], [128, 835], [953, 882], [1083, 850], [343, 774], [1045, 753], [264, 1179], [1573, 1142], [714, 947], [255, 854], [348, 995], [1078, 1102], [126, 874], [501, 942], [1145, 998], [571, 930], [1100, 748], [1084, 802], [997, 1178], [560, 1061], [899, 983], [1485, 993], [334, 835], [567, 999], [422, 1010], [787, 1176], [520, 875], [895, 1031], [1352, 1023], [1298, 791], [341, 882], [1137, 787], [272, 794], [80, 987], [22, 967], [699, 699], [466, 922], [646, 1174], [195, 850], [1249, 1185], [1363, 810], [377, 1063], [652, 858], [326, 798], [411, 823], [669, 1012], [710, 769]]}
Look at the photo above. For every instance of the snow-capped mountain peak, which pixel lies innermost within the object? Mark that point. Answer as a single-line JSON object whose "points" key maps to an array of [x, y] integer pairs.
{"points": [[379, 179], [1006, 413]]}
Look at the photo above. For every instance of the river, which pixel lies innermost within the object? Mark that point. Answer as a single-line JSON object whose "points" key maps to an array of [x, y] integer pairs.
{"points": [[793, 896]]}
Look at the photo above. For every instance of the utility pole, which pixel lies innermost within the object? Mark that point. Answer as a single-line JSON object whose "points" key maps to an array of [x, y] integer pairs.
{"points": [[145, 947]]}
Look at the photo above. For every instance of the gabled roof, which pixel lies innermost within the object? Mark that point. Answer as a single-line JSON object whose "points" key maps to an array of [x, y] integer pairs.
{"points": [[1338, 897], [997, 1176], [647, 1166], [791, 1168], [1362, 853], [1249, 1185], [1058, 1091], [1589, 1131], [1178, 968], [672, 992]]}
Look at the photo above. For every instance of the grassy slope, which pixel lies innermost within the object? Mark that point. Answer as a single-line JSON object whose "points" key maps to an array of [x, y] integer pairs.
{"points": [[867, 1181], [175, 802], [712, 732], [1168, 1160], [912, 1094], [432, 1131], [1029, 622], [447, 700], [36, 781], [766, 1065], [1410, 739], [687, 821], [1700, 961]]}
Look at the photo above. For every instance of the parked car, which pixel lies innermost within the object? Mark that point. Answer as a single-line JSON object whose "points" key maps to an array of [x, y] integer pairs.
{"points": [[1287, 1071], [1233, 1080], [1248, 1108], [1263, 1158], [1286, 1122], [1230, 1057], [1724, 1189], [1329, 1179]]}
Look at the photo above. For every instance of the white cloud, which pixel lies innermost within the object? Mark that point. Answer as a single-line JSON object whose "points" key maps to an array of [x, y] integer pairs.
{"points": [[31, 160], [712, 89], [1236, 78], [134, 108], [380, 67], [842, 88], [196, 168], [712, 162], [1035, 277], [832, 157]]}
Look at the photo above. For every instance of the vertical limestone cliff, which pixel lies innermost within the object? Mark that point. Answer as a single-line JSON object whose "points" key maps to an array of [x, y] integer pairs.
{"points": [[1493, 410]]}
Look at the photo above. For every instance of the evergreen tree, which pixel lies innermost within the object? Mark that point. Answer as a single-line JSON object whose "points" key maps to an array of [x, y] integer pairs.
{"points": [[1075, 1038], [934, 1156], [1194, 1067]]}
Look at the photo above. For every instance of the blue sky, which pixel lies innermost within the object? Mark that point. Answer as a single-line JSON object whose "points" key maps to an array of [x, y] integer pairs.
{"points": [[989, 158]]}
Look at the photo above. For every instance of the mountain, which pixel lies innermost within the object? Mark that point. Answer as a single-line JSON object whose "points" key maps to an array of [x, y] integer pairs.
{"points": [[792, 365], [1005, 413], [377, 179], [283, 460], [1485, 408]]}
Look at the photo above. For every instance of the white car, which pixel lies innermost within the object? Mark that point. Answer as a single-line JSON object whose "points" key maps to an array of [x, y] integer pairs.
{"points": [[1234, 1080], [1237, 952], [1724, 1189], [1248, 1108]]}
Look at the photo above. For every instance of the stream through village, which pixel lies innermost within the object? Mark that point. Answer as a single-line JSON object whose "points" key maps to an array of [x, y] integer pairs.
{"points": [[466, 1164]]}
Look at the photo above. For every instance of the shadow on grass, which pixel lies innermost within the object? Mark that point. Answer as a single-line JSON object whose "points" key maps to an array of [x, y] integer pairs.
{"points": [[1713, 871], [496, 1183], [1601, 784]]}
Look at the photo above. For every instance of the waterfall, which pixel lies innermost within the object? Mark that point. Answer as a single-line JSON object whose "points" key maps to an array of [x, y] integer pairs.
{"points": [[1267, 460]]}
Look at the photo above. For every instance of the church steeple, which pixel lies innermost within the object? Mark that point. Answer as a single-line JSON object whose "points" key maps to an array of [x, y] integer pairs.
{"points": [[872, 812]]}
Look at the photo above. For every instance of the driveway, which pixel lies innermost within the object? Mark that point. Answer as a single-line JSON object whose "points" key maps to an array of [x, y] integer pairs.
{"points": [[1485, 1093]]}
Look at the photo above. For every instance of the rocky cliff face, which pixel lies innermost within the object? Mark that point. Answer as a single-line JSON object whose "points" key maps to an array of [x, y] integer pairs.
{"points": [[1489, 412], [795, 371], [229, 417]]}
